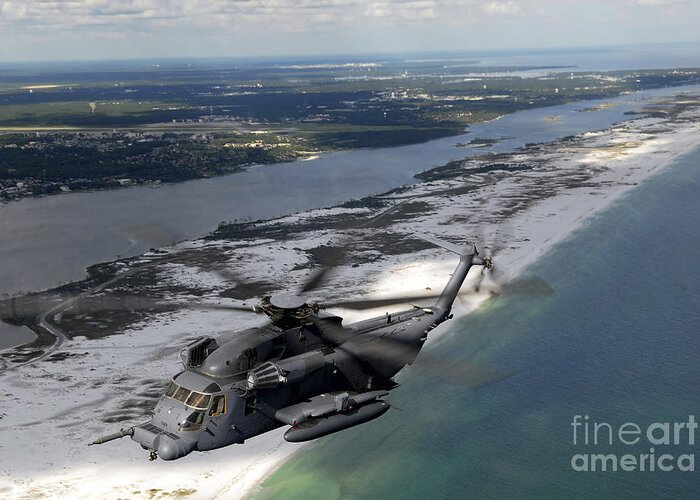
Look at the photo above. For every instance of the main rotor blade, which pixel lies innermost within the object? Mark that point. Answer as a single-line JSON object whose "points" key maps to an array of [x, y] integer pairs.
{"points": [[333, 255], [315, 280], [398, 353], [221, 307], [360, 304], [32, 306], [531, 286], [226, 275], [371, 222]]}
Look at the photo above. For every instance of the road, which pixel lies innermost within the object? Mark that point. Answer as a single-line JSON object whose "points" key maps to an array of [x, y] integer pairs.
{"points": [[43, 319]]}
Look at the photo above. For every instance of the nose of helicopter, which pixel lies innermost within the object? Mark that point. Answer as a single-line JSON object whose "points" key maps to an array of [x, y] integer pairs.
{"points": [[172, 449], [168, 446]]}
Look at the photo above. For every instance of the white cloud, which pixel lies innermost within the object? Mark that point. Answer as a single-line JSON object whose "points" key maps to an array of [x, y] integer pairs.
{"points": [[281, 15], [509, 8], [248, 27], [411, 10]]}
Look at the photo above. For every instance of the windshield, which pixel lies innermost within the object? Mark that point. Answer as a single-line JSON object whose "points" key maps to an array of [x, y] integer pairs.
{"points": [[198, 400]]}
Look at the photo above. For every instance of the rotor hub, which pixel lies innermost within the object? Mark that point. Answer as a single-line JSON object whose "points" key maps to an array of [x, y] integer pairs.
{"points": [[287, 301], [287, 310]]}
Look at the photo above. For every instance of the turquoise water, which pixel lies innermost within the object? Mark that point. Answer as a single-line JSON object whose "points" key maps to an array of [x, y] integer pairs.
{"points": [[619, 342]]}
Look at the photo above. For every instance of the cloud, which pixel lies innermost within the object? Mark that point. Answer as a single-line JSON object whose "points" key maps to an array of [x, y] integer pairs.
{"points": [[59, 14], [411, 10], [249, 27], [247, 15], [509, 8]]}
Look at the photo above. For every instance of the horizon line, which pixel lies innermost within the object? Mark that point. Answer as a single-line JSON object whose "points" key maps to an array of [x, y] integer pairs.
{"points": [[373, 54]]}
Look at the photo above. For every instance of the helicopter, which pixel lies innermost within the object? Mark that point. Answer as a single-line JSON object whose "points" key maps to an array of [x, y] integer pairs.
{"points": [[305, 369]]}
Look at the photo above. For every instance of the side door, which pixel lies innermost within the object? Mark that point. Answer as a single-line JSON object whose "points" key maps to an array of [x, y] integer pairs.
{"points": [[214, 428]]}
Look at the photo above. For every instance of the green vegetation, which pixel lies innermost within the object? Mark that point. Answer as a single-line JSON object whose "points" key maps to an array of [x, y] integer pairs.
{"points": [[67, 161], [81, 114]]}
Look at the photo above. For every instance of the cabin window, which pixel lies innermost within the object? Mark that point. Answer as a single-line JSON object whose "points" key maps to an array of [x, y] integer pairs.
{"points": [[193, 422], [198, 400], [218, 407]]}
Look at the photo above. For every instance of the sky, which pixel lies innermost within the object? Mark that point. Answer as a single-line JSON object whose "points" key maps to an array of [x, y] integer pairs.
{"points": [[40, 30]]}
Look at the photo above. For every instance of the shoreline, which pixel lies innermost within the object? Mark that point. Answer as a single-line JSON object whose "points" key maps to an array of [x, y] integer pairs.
{"points": [[112, 183], [572, 180], [242, 197]]}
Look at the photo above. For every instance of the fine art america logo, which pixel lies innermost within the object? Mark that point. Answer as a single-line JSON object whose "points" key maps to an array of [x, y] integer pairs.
{"points": [[659, 446]]}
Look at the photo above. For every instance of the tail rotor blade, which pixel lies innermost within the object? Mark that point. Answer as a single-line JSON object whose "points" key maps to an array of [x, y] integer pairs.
{"points": [[531, 286]]}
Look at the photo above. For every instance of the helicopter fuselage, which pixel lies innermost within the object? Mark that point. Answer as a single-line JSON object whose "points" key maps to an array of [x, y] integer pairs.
{"points": [[229, 413], [318, 376]]}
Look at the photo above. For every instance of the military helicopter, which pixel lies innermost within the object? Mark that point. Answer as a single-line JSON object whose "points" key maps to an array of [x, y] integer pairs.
{"points": [[305, 369]]}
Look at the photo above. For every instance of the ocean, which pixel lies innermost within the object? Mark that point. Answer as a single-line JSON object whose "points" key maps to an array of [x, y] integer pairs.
{"points": [[617, 345]]}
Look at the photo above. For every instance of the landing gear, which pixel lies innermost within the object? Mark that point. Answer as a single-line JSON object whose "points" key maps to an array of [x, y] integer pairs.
{"points": [[152, 456]]}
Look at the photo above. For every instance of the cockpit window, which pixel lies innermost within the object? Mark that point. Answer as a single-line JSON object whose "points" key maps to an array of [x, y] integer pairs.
{"points": [[218, 407], [198, 400], [171, 389], [193, 421], [181, 394]]}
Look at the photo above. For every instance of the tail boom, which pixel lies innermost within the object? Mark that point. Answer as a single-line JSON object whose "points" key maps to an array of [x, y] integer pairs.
{"points": [[468, 257]]}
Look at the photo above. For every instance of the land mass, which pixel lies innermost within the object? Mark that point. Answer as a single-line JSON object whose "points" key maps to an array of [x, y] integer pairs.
{"points": [[73, 129]]}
